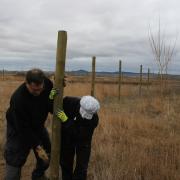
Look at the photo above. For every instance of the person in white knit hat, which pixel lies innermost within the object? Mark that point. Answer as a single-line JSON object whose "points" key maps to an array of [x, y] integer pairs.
{"points": [[79, 119]]}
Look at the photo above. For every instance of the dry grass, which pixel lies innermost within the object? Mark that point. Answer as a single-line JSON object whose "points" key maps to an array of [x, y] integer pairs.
{"points": [[137, 138]]}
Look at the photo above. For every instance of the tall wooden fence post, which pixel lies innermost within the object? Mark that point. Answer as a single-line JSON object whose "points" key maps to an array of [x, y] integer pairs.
{"points": [[58, 103], [120, 76], [93, 75], [140, 80]]}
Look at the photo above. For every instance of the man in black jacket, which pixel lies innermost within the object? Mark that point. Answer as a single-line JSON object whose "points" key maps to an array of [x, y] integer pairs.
{"points": [[29, 107], [79, 121]]}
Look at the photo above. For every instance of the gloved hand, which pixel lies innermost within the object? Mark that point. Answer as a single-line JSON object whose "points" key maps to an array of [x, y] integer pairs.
{"points": [[61, 115], [64, 81], [53, 93], [42, 153]]}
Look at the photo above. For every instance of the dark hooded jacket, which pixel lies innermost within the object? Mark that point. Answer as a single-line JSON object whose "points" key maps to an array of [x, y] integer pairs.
{"points": [[27, 114]]}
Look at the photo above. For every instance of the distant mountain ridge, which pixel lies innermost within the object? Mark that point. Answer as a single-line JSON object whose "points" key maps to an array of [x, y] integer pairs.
{"points": [[82, 72], [103, 73]]}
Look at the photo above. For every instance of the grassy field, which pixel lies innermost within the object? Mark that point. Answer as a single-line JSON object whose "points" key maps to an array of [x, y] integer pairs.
{"points": [[138, 138]]}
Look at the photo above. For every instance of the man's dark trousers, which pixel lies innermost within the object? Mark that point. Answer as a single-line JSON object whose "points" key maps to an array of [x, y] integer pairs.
{"points": [[16, 154]]}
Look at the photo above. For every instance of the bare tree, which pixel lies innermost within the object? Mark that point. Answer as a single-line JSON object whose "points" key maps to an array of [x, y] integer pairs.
{"points": [[169, 52], [162, 52]]}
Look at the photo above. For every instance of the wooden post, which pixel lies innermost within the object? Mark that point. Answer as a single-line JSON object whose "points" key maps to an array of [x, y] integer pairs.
{"points": [[58, 103], [140, 80], [120, 73], [93, 75], [3, 75], [148, 80]]}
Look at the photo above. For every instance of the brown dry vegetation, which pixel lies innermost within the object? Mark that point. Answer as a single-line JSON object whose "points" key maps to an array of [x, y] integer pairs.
{"points": [[138, 138]]}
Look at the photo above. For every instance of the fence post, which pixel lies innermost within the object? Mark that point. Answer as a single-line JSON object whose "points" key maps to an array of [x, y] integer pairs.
{"points": [[93, 76], [140, 80], [58, 103], [120, 78], [3, 74], [148, 80]]}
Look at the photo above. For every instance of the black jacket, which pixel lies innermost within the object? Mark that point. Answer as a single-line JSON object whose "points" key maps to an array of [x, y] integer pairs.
{"points": [[76, 131], [27, 114]]}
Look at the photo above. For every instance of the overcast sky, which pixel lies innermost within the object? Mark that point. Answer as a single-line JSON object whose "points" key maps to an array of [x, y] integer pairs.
{"points": [[108, 29]]}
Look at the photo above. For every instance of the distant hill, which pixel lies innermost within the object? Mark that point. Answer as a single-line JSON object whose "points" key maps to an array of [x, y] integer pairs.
{"points": [[82, 72], [104, 73], [116, 73]]}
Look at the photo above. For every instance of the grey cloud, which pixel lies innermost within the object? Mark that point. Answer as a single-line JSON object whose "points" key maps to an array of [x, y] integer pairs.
{"points": [[110, 30]]}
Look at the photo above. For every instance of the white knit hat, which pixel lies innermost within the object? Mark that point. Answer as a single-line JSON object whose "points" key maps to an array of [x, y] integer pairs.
{"points": [[89, 106]]}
